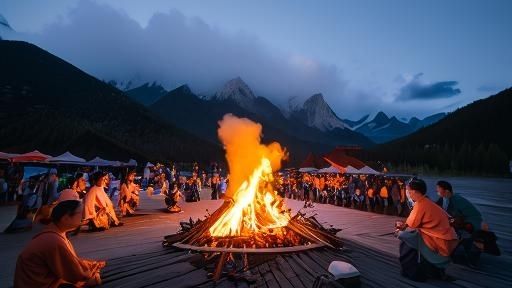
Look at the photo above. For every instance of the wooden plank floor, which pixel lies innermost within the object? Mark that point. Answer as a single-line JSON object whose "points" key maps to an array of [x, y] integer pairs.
{"points": [[135, 257], [173, 268]]}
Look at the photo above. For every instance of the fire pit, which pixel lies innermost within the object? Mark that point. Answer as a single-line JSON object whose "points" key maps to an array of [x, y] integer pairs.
{"points": [[253, 217]]}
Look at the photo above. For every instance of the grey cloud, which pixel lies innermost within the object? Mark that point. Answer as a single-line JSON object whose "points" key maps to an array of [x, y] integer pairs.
{"points": [[415, 89]]}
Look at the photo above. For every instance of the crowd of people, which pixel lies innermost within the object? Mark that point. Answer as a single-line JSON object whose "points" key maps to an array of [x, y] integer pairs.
{"points": [[373, 193], [436, 231], [37, 194], [433, 235], [175, 185]]}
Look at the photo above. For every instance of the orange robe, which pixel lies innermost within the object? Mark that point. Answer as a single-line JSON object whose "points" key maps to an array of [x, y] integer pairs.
{"points": [[50, 260], [434, 226]]}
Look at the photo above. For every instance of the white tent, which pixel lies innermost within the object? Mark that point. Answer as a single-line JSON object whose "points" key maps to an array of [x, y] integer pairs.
{"points": [[368, 170], [99, 162], [130, 163], [149, 164], [352, 170], [331, 169], [307, 169], [66, 158]]}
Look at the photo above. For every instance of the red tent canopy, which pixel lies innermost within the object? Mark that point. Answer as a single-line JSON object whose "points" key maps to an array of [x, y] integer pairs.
{"points": [[34, 156], [313, 161], [338, 158]]}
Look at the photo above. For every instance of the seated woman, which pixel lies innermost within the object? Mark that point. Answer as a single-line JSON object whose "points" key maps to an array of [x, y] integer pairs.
{"points": [[98, 208], [172, 198], [128, 196], [49, 259], [432, 240]]}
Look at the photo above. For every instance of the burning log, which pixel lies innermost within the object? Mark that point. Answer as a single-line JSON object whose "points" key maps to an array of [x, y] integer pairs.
{"points": [[301, 233]]}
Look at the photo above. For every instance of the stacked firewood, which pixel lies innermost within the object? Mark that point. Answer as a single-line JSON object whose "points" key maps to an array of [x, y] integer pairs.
{"points": [[300, 231]]}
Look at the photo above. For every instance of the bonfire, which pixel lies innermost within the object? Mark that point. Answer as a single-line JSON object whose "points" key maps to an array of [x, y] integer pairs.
{"points": [[253, 217]]}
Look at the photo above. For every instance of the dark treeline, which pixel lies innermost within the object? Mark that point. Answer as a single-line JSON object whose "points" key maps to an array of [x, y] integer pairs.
{"points": [[475, 140]]}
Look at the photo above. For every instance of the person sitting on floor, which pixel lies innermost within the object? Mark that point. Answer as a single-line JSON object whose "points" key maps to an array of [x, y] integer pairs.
{"points": [[431, 242], [49, 259], [98, 208], [128, 196], [466, 219], [172, 197]]}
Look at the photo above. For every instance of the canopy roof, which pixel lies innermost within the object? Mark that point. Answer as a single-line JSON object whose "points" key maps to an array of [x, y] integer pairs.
{"points": [[338, 158], [307, 169], [330, 169], [7, 156], [368, 170], [314, 161], [34, 156], [352, 170], [66, 158], [99, 162], [130, 163]]}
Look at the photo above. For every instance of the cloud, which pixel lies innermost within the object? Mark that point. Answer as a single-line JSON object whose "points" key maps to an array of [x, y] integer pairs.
{"points": [[417, 89], [174, 49]]}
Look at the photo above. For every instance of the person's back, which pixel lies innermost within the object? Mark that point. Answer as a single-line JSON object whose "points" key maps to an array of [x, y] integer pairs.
{"points": [[461, 207]]}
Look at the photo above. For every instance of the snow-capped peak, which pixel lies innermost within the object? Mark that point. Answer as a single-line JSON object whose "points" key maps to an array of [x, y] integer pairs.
{"points": [[320, 115], [238, 91]]}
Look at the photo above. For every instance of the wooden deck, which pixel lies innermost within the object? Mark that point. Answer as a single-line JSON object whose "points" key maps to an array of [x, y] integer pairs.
{"points": [[136, 258]]}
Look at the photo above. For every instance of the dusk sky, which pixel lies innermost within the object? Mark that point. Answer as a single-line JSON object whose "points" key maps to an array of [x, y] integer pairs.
{"points": [[406, 58]]}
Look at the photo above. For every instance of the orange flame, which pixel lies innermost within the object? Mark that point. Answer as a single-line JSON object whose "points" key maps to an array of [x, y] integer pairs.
{"points": [[256, 207]]}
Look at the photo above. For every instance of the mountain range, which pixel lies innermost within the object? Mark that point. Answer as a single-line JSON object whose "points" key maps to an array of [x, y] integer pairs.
{"points": [[48, 104], [186, 110], [314, 113], [381, 128]]}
